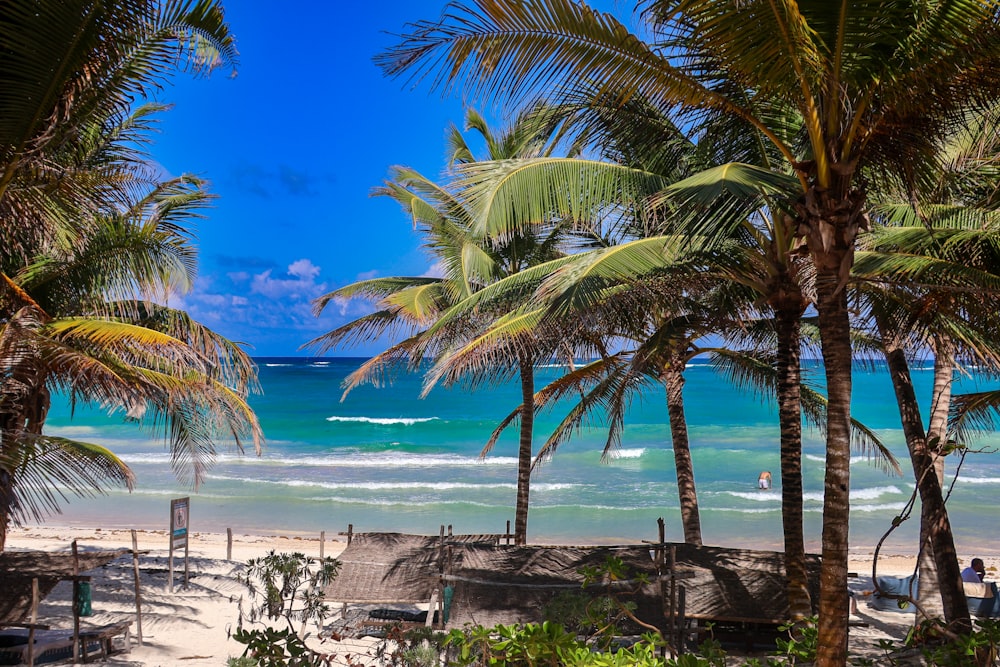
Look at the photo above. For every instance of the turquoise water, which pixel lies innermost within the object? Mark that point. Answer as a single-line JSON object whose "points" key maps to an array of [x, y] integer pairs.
{"points": [[385, 460]]}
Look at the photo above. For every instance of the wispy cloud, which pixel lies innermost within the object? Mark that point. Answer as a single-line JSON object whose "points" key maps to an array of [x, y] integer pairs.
{"points": [[263, 182], [270, 305]]}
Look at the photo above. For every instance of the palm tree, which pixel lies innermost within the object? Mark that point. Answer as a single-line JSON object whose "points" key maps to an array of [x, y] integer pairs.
{"points": [[470, 261], [875, 85], [931, 252], [85, 244], [78, 324]]}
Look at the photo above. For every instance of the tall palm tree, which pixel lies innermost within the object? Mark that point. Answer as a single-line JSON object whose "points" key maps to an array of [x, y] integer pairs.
{"points": [[470, 261], [875, 84], [80, 321], [915, 274], [84, 245]]}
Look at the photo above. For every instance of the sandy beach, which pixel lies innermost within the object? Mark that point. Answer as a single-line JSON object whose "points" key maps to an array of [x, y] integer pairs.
{"points": [[191, 626]]}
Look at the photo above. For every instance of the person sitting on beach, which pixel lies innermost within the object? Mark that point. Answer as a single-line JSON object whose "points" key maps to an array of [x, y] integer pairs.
{"points": [[975, 572], [764, 481]]}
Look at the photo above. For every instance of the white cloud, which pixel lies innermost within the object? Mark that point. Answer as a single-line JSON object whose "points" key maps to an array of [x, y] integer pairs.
{"points": [[301, 285], [436, 270], [303, 269], [368, 275], [238, 276]]}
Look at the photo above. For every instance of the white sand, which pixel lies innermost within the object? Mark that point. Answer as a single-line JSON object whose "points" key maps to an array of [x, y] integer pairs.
{"points": [[190, 626]]}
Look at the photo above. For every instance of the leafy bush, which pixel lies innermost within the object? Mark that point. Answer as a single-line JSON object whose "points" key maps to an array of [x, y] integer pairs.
{"points": [[288, 587]]}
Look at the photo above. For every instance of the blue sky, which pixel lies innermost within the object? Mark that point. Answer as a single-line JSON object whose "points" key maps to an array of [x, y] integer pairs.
{"points": [[292, 147]]}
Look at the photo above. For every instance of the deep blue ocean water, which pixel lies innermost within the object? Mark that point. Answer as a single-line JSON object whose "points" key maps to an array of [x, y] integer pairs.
{"points": [[386, 460]]}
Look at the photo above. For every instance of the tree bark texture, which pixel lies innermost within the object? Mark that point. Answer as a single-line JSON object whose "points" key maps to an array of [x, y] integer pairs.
{"points": [[673, 380], [835, 333], [524, 452], [935, 525], [790, 421]]}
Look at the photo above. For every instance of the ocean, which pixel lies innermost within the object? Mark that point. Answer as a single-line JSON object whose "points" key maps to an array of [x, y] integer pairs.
{"points": [[385, 460]]}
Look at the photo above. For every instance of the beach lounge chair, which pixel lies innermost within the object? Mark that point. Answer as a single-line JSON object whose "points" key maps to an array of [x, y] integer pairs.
{"points": [[891, 586], [982, 598], [19, 568], [20, 572], [984, 602]]}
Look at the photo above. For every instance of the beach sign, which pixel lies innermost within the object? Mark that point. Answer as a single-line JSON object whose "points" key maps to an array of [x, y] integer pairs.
{"points": [[179, 520], [179, 523]]}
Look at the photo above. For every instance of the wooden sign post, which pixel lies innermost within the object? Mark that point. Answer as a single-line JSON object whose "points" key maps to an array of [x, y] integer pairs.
{"points": [[179, 517]]}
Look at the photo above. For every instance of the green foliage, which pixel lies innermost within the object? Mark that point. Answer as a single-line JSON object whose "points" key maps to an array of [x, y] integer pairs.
{"points": [[277, 648], [413, 647], [981, 647], [242, 661], [802, 642], [290, 587]]}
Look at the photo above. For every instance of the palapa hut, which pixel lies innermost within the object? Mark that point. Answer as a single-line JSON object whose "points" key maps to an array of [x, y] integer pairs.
{"points": [[494, 584], [507, 584], [739, 585], [18, 568]]}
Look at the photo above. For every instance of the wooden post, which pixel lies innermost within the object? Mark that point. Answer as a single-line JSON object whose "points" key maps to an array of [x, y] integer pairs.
{"points": [[76, 608], [449, 530], [673, 596], [322, 543], [229, 543], [187, 546], [681, 604], [350, 533], [662, 527], [138, 593], [34, 619], [507, 534]]}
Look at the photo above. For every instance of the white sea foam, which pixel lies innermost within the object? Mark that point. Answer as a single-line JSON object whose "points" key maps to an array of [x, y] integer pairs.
{"points": [[869, 493], [634, 453], [383, 421], [979, 480], [878, 508], [392, 486], [277, 365], [744, 510], [346, 460], [854, 459], [760, 496]]}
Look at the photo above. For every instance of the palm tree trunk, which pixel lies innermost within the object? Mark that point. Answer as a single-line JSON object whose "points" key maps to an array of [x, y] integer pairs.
{"points": [[835, 334], [935, 527], [790, 423], [673, 380], [524, 451]]}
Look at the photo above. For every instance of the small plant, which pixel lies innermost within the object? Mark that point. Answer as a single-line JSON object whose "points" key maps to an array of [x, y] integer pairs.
{"points": [[802, 642], [242, 661], [981, 648], [288, 587]]}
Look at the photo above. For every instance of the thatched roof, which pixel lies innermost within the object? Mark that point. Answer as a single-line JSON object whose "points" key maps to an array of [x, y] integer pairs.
{"points": [[738, 584], [18, 568], [385, 568], [506, 584]]}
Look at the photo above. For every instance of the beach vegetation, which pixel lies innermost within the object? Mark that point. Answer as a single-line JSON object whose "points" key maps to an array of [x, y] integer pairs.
{"points": [[846, 95], [469, 260], [911, 275], [93, 241], [286, 587]]}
